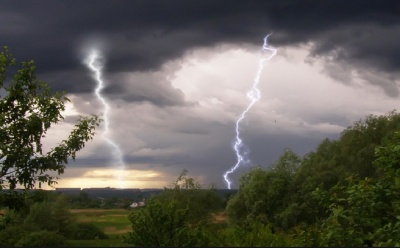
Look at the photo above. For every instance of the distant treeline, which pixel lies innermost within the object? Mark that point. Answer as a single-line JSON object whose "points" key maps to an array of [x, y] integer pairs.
{"points": [[134, 194], [106, 193]]}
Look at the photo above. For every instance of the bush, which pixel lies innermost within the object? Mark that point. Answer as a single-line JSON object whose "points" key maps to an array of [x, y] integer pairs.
{"points": [[42, 239], [13, 233], [41, 216], [83, 231], [160, 224]]}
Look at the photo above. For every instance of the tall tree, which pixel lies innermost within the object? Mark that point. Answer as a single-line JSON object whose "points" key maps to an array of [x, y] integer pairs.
{"points": [[264, 194], [28, 108]]}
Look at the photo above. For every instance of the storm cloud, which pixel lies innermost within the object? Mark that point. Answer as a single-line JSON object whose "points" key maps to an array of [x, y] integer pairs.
{"points": [[177, 71]]}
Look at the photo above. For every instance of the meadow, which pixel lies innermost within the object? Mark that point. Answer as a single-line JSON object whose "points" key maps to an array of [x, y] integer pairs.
{"points": [[113, 222]]}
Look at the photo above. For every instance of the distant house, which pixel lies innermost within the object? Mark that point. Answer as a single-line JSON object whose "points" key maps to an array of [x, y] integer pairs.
{"points": [[137, 204]]}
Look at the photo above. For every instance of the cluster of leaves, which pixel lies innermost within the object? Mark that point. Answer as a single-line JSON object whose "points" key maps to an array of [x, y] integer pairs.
{"points": [[27, 110]]}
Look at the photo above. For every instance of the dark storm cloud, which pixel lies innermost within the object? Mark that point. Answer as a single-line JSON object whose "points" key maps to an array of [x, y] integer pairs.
{"points": [[144, 88], [142, 35]]}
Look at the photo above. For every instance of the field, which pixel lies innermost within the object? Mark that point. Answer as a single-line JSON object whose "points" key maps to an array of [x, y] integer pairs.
{"points": [[113, 222]]}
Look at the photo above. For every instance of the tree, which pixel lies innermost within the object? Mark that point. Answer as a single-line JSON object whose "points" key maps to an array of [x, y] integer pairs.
{"points": [[41, 239], [179, 216], [164, 225], [27, 110], [188, 193], [264, 194], [41, 215], [365, 211], [335, 160]]}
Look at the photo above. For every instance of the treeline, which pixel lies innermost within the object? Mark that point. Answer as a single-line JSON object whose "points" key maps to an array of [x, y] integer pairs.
{"points": [[345, 193]]}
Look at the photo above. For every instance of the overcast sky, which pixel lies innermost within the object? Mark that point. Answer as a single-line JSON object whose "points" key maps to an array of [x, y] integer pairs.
{"points": [[177, 73]]}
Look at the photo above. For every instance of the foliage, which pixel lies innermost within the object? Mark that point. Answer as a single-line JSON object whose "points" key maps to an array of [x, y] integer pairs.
{"points": [[27, 111], [13, 200], [187, 193], [60, 213], [41, 216], [263, 194], [13, 233], [255, 234], [343, 194], [164, 225], [367, 211], [50, 216], [42, 239], [83, 231]]}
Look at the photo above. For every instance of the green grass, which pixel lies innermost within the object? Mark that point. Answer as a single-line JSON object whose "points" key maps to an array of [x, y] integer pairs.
{"points": [[113, 222], [97, 243]]}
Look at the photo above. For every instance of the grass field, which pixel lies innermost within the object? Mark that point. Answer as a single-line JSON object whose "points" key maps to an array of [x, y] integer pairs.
{"points": [[113, 222]]}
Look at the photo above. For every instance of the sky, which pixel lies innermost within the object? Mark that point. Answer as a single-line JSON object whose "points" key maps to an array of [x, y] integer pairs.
{"points": [[177, 72]]}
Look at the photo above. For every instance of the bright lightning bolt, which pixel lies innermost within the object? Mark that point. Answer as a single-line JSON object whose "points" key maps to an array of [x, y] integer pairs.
{"points": [[254, 95], [94, 63]]}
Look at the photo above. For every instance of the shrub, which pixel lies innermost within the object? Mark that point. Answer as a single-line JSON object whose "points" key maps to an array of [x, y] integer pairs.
{"points": [[83, 231], [42, 239], [13, 233]]}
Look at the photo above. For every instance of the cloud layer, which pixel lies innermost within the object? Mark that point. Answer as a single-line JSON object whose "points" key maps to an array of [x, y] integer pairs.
{"points": [[177, 73]]}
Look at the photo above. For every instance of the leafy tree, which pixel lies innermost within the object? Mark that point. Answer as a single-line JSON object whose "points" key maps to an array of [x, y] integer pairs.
{"points": [[83, 231], [60, 213], [42, 239], [335, 160], [13, 200], [367, 211], [27, 110], [160, 224], [186, 192], [264, 194], [10, 217], [253, 234], [13, 233], [51, 216], [358, 142], [40, 215], [178, 216]]}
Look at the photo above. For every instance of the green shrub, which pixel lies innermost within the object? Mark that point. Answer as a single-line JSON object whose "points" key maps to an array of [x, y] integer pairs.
{"points": [[82, 231], [13, 233], [41, 239]]}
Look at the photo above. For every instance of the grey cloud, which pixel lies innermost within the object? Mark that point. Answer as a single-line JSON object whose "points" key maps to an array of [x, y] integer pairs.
{"points": [[155, 89], [139, 37], [142, 35]]}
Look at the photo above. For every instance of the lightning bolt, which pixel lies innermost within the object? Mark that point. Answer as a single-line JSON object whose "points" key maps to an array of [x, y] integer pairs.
{"points": [[254, 95], [94, 63]]}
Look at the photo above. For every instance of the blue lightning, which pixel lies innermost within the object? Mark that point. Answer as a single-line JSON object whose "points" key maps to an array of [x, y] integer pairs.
{"points": [[254, 95], [94, 63]]}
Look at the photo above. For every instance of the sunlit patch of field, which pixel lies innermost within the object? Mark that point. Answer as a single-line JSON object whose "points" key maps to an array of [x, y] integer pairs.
{"points": [[113, 222], [110, 221]]}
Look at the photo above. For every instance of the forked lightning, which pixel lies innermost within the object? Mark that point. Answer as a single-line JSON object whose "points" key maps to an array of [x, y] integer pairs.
{"points": [[254, 95]]}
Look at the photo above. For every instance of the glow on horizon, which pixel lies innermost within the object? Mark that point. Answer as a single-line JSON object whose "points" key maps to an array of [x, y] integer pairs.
{"points": [[108, 177]]}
